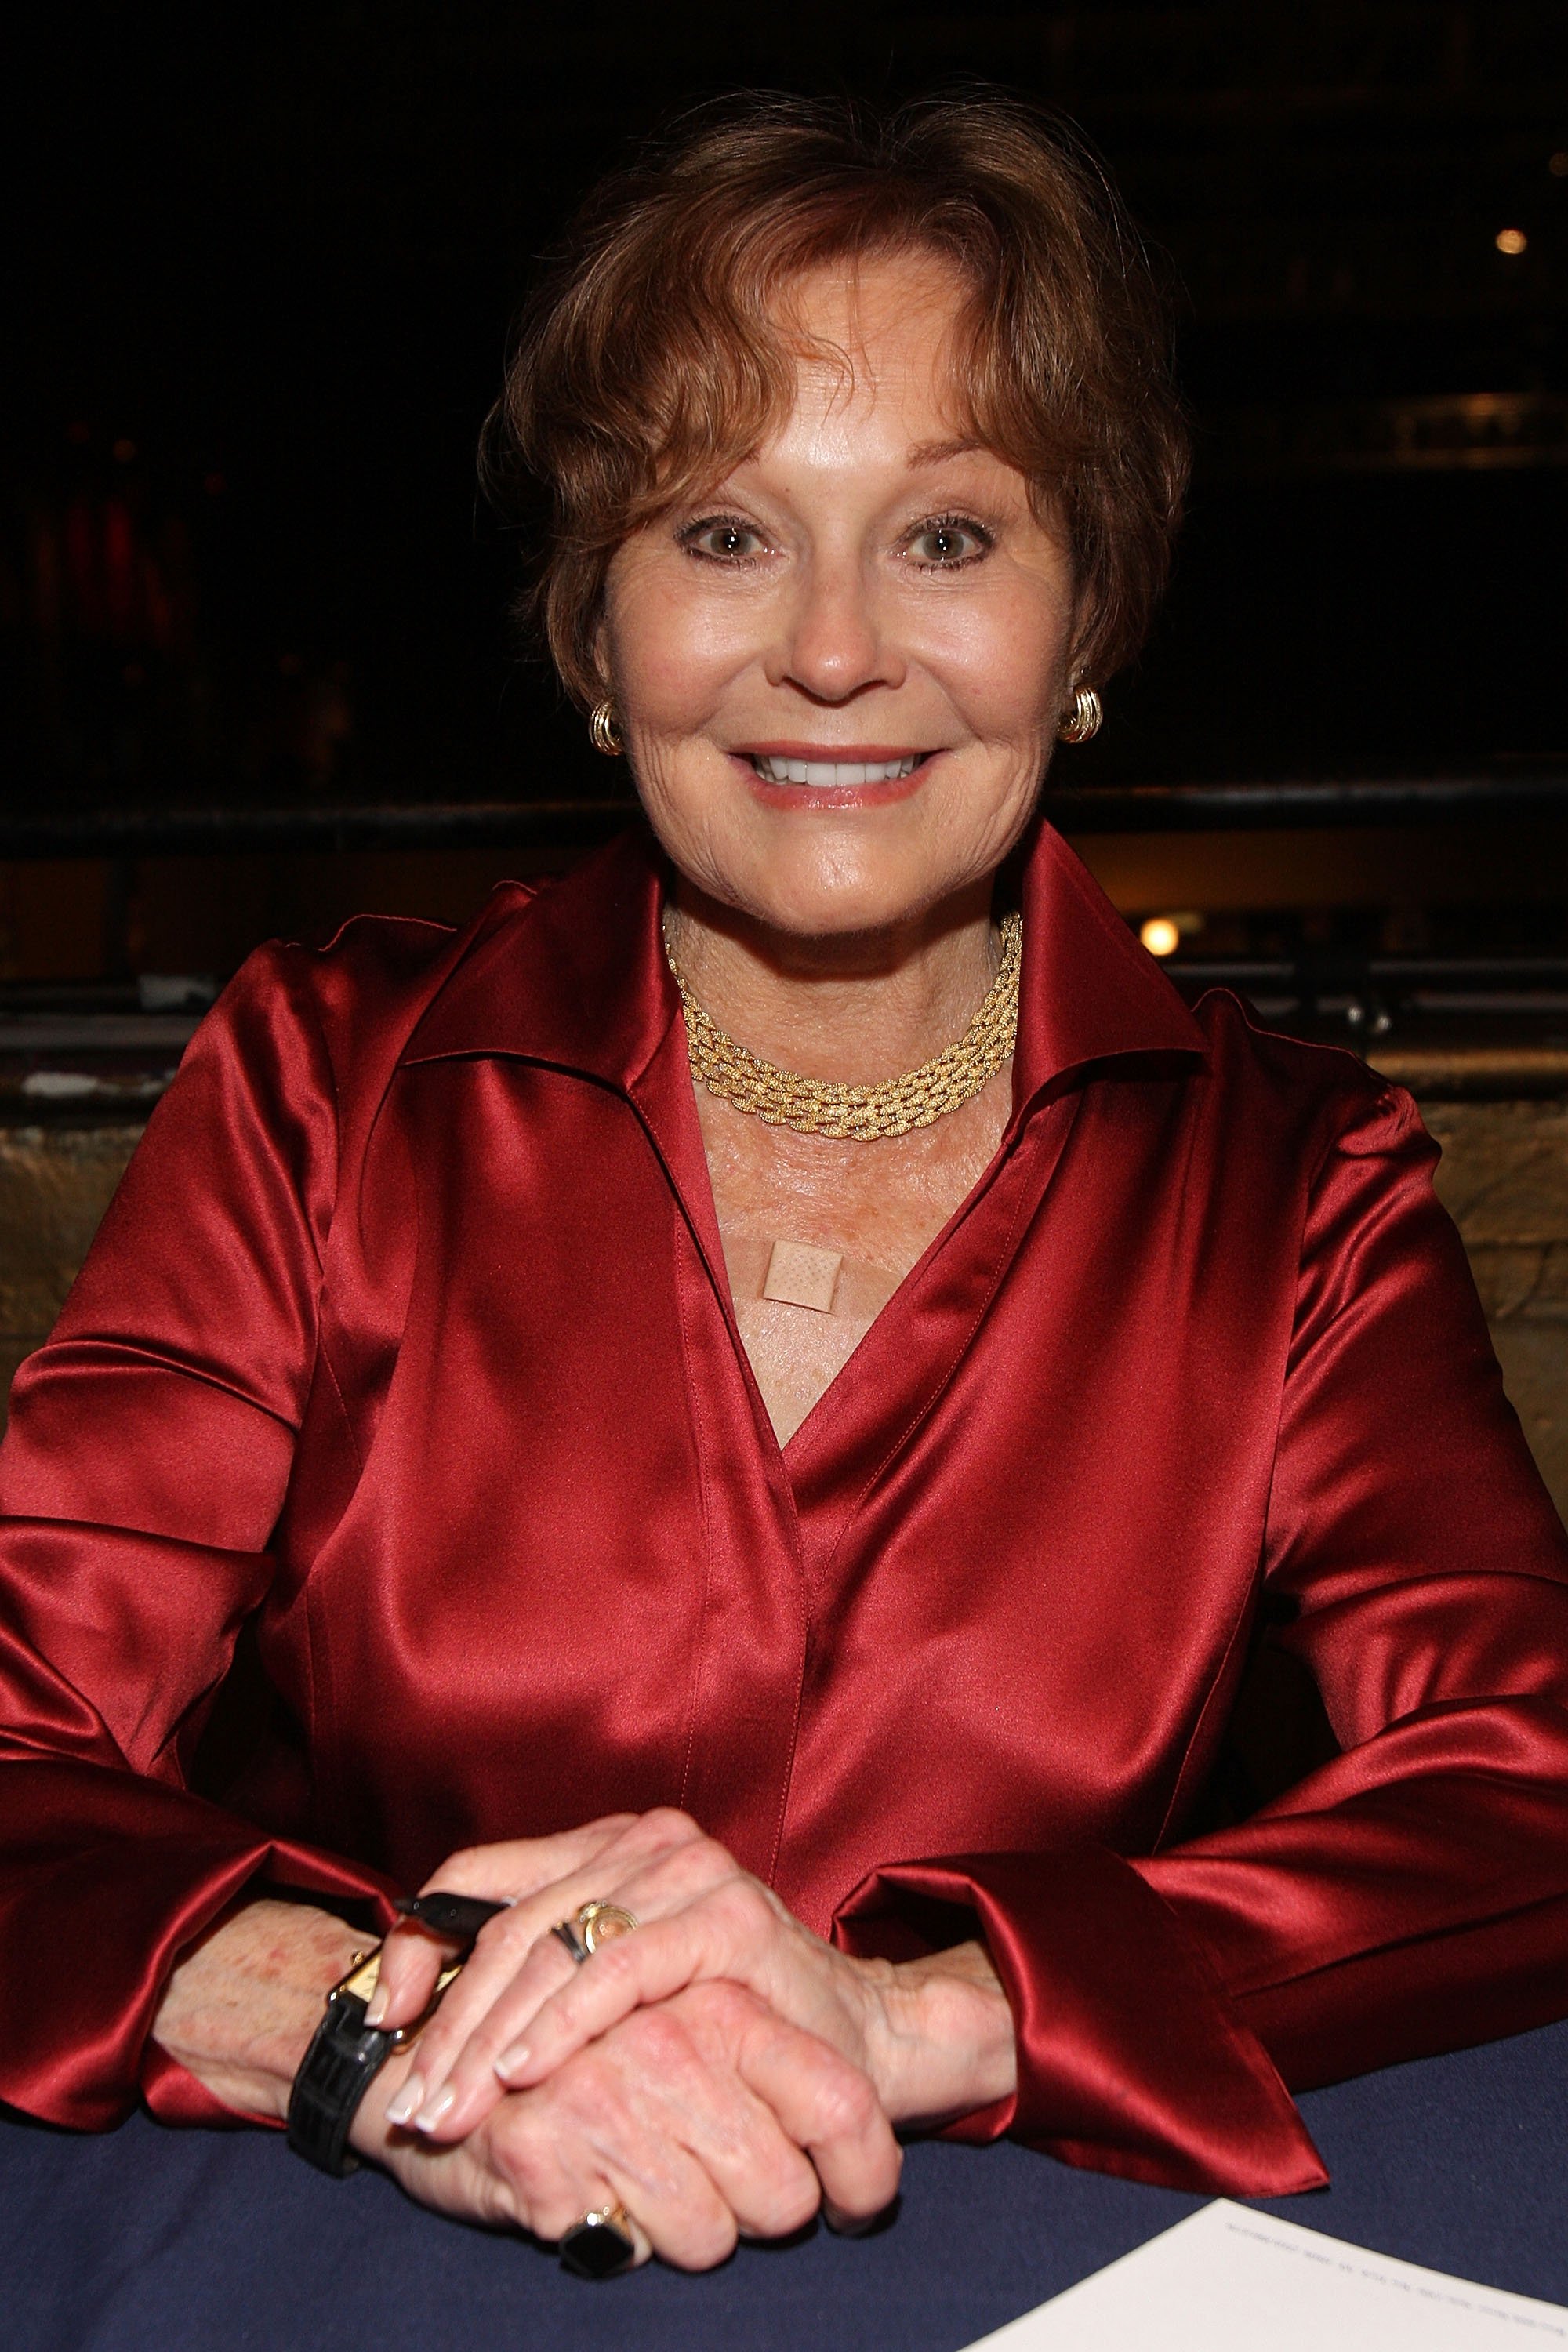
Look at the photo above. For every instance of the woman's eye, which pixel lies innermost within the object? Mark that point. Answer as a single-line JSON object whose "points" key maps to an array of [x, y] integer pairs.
{"points": [[948, 543], [723, 540]]}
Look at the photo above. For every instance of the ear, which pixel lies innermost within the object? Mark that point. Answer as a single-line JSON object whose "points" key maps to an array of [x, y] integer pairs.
{"points": [[1084, 643], [599, 650]]}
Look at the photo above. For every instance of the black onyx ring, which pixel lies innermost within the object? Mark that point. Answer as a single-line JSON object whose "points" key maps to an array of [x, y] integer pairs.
{"points": [[593, 1925], [600, 2244]]}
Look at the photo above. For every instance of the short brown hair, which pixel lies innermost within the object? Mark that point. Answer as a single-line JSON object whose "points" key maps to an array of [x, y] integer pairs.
{"points": [[651, 359]]}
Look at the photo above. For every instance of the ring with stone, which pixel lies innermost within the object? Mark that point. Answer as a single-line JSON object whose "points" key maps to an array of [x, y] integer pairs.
{"points": [[603, 2242], [590, 1926]]}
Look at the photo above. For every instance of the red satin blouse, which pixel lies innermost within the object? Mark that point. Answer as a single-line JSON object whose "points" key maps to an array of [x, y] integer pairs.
{"points": [[405, 1362]]}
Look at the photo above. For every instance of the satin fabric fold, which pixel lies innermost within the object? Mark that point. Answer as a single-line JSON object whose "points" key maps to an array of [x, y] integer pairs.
{"points": [[396, 1480], [101, 1862], [1096, 1971]]}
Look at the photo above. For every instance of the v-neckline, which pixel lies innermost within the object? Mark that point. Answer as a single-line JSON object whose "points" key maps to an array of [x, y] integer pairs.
{"points": [[899, 1304], [1088, 992], [665, 1101], [827, 1425]]}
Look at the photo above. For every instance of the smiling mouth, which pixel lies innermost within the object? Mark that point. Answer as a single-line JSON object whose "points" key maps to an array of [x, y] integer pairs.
{"points": [[829, 774]]}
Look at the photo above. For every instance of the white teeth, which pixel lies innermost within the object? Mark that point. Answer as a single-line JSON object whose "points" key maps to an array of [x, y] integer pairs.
{"points": [[838, 773]]}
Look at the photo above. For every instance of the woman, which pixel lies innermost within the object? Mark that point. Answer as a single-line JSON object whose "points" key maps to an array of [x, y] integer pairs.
{"points": [[757, 1408]]}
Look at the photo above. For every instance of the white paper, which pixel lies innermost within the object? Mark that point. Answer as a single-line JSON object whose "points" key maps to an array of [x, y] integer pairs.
{"points": [[1229, 2280]]}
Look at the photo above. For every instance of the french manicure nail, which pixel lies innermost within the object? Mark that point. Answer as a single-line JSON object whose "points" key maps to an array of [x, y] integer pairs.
{"points": [[430, 2115], [375, 2008], [408, 2102], [512, 2062]]}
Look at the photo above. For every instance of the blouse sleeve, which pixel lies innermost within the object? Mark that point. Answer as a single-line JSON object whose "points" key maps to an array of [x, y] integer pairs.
{"points": [[1411, 1894], [147, 1457]]}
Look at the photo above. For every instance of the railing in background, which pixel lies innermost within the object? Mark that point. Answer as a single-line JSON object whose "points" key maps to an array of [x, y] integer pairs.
{"points": [[1452, 1027], [480, 824]]}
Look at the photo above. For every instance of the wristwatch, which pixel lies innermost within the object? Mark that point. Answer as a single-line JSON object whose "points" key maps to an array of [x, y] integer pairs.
{"points": [[343, 2060], [345, 2054]]}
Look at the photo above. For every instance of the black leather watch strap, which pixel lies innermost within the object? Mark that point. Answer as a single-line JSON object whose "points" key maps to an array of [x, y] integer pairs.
{"points": [[337, 2069], [345, 2054]]}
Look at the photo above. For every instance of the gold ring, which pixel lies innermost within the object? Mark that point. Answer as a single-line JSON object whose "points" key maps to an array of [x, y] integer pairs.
{"points": [[601, 1923], [591, 1925], [600, 2244]]}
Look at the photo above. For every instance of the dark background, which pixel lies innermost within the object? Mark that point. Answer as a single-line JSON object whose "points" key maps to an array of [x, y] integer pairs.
{"points": [[268, 258]]}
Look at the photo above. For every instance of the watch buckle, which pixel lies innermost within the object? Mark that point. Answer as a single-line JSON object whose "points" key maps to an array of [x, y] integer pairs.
{"points": [[360, 1982], [364, 1975]]}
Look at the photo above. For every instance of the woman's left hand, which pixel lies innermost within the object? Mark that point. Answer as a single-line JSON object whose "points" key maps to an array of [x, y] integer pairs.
{"points": [[935, 2036]]}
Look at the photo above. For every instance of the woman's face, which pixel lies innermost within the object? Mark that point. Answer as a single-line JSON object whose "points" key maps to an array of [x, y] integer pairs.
{"points": [[839, 672]]}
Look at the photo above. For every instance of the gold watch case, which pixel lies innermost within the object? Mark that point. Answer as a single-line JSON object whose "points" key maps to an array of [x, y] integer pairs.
{"points": [[364, 1975]]}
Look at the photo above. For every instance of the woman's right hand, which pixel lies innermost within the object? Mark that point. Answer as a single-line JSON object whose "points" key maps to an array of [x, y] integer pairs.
{"points": [[705, 2116]]}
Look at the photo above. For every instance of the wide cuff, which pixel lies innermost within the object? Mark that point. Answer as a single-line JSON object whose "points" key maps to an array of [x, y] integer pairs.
{"points": [[1131, 2059], [107, 1878]]}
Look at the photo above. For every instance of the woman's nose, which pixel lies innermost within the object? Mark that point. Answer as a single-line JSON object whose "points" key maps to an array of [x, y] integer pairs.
{"points": [[835, 642]]}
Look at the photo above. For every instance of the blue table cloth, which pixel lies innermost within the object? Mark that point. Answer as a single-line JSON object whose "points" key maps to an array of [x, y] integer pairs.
{"points": [[151, 2240]]}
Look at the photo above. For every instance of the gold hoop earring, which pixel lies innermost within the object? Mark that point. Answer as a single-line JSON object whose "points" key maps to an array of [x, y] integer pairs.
{"points": [[602, 732], [1083, 719]]}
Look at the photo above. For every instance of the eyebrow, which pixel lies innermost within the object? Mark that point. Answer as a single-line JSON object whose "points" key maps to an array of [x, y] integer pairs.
{"points": [[936, 453]]}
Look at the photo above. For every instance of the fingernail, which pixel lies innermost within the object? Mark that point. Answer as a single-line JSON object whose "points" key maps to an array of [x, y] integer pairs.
{"points": [[408, 2102], [430, 2115], [375, 2008], [512, 2062]]}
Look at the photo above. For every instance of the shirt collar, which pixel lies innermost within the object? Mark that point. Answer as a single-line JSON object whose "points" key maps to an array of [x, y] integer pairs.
{"points": [[575, 975], [1088, 993]]}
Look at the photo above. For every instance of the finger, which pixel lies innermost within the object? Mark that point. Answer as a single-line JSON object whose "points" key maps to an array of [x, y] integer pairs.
{"points": [[461, 2096], [473, 2182], [629, 2224], [550, 2186], [517, 1964], [762, 2174], [673, 2208], [412, 1958], [662, 1959], [585, 2143], [500, 1953], [735, 1932], [827, 2108], [549, 1974]]}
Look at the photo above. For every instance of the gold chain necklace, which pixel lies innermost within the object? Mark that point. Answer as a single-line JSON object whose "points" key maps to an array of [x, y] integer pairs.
{"points": [[819, 1106]]}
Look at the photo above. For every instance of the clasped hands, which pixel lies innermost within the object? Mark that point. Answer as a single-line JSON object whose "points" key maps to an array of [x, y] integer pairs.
{"points": [[723, 2071]]}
